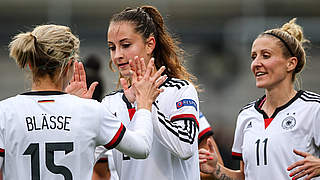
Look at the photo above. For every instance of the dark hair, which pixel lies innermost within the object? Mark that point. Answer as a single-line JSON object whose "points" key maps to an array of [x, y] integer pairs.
{"points": [[149, 22]]}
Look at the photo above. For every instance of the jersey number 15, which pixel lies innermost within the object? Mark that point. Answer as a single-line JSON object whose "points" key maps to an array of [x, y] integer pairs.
{"points": [[33, 151]]}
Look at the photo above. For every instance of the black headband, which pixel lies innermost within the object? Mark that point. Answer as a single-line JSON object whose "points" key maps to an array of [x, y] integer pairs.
{"points": [[283, 41]]}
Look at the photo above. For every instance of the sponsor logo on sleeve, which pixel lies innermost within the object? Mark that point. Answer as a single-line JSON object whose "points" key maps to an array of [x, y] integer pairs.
{"points": [[186, 102]]}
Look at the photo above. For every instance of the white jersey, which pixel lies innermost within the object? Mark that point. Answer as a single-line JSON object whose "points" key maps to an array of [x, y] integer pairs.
{"points": [[205, 129], [265, 144], [51, 135], [102, 156], [174, 153]]}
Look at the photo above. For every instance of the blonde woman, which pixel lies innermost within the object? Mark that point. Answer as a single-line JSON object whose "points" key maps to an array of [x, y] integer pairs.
{"points": [[48, 134], [282, 126]]}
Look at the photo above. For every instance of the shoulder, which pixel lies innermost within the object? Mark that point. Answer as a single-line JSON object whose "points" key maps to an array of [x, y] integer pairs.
{"points": [[249, 105], [176, 83], [113, 95], [116, 92], [10, 101], [309, 96]]}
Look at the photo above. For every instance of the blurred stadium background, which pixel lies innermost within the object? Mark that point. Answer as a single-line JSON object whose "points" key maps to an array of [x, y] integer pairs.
{"points": [[216, 35]]}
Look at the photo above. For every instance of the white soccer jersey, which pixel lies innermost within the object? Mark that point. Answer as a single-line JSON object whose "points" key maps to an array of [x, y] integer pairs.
{"points": [[205, 129], [104, 155], [174, 153], [265, 144], [51, 135]]}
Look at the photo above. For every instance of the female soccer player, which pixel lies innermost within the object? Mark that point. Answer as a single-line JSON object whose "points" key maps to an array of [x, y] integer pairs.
{"points": [[174, 155], [283, 120], [48, 134]]}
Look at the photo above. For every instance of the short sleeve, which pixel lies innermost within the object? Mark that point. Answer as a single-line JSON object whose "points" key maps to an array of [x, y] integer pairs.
{"points": [[205, 129], [2, 124], [238, 139], [316, 126]]}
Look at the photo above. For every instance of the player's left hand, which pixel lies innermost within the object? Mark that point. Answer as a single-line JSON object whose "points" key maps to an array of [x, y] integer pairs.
{"points": [[78, 83], [208, 159], [309, 166]]}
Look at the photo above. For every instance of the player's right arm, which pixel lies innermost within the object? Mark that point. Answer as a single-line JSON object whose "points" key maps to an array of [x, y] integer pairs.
{"points": [[137, 141]]}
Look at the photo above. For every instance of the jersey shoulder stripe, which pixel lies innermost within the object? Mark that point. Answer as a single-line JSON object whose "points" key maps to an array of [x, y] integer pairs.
{"points": [[115, 92], [173, 82], [248, 105], [184, 128], [205, 133], [117, 138], [310, 97], [185, 116]]}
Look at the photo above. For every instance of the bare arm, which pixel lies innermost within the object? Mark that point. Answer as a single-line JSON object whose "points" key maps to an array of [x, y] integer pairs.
{"points": [[204, 144], [101, 171], [209, 165]]}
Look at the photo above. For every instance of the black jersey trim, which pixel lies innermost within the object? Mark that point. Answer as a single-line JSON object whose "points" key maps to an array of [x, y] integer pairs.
{"points": [[204, 136], [102, 160], [117, 138], [311, 94], [2, 152], [178, 83], [278, 109], [247, 106], [185, 131], [44, 93], [129, 105], [237, 157], [310, 97]]}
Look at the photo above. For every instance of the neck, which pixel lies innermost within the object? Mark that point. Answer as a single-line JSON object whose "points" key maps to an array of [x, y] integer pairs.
{"points": [[46, 84], [279, 96]]}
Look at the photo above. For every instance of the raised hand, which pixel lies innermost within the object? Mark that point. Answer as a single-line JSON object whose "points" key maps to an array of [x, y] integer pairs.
{"points": [[208, 159], [78, 83], [138, 67], [146, 86], [309, 166]]}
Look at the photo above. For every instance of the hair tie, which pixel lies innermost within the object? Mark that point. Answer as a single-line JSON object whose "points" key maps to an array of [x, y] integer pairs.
{"points": [[283, 41]]}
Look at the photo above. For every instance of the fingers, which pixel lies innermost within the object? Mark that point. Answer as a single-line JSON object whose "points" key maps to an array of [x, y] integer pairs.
{"points": [[76, 74], [211, 145], [160, 81], [92, 88], [149, 68], [82, 74], [296, 164], [297, 171], [301, 153], [158, 73], [306, 172], [132, 63], [124, 84], [143, 67], [138, 65]]}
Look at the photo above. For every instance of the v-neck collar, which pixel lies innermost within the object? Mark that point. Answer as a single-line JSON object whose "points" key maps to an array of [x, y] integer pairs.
{"points": [[262, 100]]}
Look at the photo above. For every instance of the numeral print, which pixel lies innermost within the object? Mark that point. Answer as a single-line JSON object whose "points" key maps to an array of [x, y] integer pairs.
{"points": [[33, 151], [265, 141]]}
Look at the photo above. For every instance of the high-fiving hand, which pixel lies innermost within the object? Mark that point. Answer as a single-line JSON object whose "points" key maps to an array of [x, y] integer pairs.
{"points": [[78, 83]]}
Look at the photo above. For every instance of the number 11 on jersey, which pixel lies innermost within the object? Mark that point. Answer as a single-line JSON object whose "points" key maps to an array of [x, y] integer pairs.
{"points": [[264, 142]]}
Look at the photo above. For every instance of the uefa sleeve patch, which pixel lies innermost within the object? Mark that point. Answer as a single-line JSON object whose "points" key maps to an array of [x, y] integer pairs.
{"points": [[186, 102]]}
